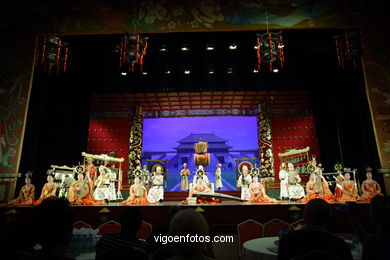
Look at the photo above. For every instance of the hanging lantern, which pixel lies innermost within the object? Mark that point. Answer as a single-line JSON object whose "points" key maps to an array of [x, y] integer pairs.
{"points": [[131, 51], [349, 48], [270, 51], [52, 54]]}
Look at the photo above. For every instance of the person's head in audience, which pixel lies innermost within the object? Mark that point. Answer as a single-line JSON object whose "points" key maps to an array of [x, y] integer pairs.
{"points": [[172, 211], [317, 212], [192, 223], [130, 221], [53, 220]]}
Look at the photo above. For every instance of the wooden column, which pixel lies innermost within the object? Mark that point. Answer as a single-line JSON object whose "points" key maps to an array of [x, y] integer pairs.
{"points": [[265, 141], [135, 142]]}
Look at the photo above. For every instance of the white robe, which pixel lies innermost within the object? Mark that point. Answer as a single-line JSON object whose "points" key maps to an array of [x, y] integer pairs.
{"points": [[283, 177], [245, 193], [102, 189], [156, 192], [218, 178], [295, 190], [111, 187]]}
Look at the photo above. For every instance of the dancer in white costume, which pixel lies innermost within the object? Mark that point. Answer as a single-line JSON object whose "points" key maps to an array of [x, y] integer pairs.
{"points": [[243, 183], [283, 177], [111, 188], [218, 177], [200, 172], [295, 190], [102, 184], [156, 192]]}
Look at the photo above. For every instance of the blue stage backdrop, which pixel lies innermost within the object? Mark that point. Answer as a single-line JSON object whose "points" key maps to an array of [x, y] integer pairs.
{"points": [[173, 139]]}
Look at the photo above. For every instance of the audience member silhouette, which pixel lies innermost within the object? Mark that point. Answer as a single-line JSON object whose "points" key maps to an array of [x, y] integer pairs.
{"points": [[313, 241], [126, 245], [375, 246], [189, 224], [53, 220]]}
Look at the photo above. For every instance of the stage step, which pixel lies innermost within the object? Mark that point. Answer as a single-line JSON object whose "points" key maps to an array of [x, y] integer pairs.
{"points": [[182, 195]]}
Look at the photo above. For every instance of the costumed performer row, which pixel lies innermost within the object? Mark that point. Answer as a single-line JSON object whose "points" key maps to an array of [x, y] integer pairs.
{"points": [[257, 192], [26, 194], [243, 183], [283, 177], [184, 173], [294, 189], [370, 188], [156, 192], [49, 189], [80, 191], [138, 194]]}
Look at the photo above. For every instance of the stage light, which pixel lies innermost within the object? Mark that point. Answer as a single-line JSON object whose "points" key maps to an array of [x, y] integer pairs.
{"points": [[275, 70], [144, 73], [211, 71], [163, 48], [255, 47], [232, 46], [187, 72], [255, 71], [185, 48], [167, 72], [124, 73], [209, 47], [230, 70]]}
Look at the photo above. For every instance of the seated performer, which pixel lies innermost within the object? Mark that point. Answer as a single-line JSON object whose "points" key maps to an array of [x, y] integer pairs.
{"points": [[90, 169], [49, 189], [317, 187], [243, 182], [283, 177], [26, 194], [200, 186], [257, 192], [295, 190], [66, 181], [218, 177], [184, 173], [370, 188], [350, 192], [156, 192], [102, 183], [138, 194], [338, 190], [80, 192]]}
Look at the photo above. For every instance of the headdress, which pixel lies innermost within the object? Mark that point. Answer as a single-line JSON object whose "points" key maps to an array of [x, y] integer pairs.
{"points": [[51, 172], [28, 174], [347, 170], [369, 169]]}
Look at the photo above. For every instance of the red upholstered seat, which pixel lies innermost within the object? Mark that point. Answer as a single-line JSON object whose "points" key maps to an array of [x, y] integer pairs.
{"points": [[81, 224], [145, 230], [249, 230], [272, 227], [110, 227]]}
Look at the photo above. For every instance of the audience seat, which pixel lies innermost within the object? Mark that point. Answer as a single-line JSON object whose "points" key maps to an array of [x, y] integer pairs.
{"points": [[296, 224], [272, 227], [110, 227], [144, 231], [81, 224], [247, 230]]}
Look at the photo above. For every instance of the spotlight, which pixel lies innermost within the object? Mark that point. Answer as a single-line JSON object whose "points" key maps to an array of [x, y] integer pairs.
{"points": [[163, 48], [187, 72], [124, 73], [230, 70], [211, 71], [255, 71], [275, 70], [232, 46], [167, 72], [210, 47], [144, 73], [255, 47], [185, 48]]}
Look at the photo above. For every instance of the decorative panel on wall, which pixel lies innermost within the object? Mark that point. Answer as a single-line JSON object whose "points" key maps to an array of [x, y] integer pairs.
{"points": [[109, 135], [294, 132]]}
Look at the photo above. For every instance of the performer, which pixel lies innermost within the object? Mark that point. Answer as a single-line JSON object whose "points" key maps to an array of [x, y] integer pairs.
{"points": [[200, 172], [102, 183], [49, 189], [295, 190], [370, 188], [156, 192], [257, 192], [350, 192], [138, 194], [145, 175], [90, 169], [184, 173], [26, 194], [243, 182], [66, 182], [80, 192], [218, 177], [338, 190], [200, 186], [112, 175], [283, 177], [317, 187]]}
